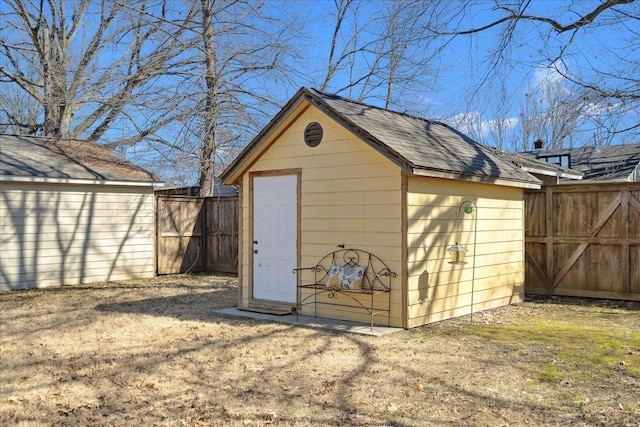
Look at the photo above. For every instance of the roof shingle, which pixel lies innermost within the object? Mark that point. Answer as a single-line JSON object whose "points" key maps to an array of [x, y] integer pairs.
{"points": [[422, 144], [419, 146], [40, 157]]}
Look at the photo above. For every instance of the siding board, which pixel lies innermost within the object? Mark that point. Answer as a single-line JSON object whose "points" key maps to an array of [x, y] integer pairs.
{"points": [[57, 234], [76, 249], [494, 271]]}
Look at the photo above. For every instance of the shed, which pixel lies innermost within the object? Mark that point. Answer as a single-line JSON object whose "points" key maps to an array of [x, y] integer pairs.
{"points": [[328, 172], [72, 212]]}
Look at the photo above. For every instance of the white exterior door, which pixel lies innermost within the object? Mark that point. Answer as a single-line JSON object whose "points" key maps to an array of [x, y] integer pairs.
{"points": [[275, 225]]}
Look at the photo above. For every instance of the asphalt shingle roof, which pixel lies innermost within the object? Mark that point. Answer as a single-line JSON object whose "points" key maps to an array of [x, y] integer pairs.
{"points": [[421, 144], [40, 157], [609, 162], [539, 166]]}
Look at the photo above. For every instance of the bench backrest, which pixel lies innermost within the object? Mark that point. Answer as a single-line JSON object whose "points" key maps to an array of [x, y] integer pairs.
{"points": [[377, 275]]}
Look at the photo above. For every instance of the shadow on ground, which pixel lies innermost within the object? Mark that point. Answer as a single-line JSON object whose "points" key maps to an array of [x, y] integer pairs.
{"points": [[188, 306]]}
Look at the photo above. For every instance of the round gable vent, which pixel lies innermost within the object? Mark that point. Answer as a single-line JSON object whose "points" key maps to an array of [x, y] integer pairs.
{"points": [[313, 134]]}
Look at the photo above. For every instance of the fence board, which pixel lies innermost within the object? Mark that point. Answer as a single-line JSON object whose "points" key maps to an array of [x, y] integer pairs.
{"points": [[583, 240], [196, 234], [222, 235], [179, 235]]}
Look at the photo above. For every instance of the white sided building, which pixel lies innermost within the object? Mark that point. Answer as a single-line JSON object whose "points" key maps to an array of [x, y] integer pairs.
{"points": [[72, 212]]}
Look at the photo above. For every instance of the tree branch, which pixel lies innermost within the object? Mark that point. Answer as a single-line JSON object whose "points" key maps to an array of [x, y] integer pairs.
{"points": [[557, 26]]}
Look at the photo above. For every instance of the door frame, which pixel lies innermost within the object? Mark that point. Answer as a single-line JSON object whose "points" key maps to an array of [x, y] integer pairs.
{"points": [[248, 244]]}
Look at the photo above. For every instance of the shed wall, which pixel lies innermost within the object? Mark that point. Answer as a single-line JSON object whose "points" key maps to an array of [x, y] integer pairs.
{"points": [[64, 234], [350, 194], [438, 290]]}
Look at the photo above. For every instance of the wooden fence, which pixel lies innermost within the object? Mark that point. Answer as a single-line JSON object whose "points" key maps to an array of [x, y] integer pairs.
{"points": [[583, 240], [196, 234]]}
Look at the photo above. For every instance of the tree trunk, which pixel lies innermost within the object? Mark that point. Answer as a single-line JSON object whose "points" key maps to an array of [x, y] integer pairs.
{"points": [[208, 145]]}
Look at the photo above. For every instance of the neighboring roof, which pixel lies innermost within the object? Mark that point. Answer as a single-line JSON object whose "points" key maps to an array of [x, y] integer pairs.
{"points": [[219, 190], [419, 146], [532, 165], [609, 162], [55, 159], [223, 190], [189, 191]]}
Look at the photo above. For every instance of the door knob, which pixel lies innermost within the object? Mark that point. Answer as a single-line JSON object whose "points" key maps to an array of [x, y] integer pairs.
{"points": [[255, 251]]}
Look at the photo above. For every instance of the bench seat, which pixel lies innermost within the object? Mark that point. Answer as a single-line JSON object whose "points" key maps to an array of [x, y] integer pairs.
{"points": [[322, 286], [357, 274]]}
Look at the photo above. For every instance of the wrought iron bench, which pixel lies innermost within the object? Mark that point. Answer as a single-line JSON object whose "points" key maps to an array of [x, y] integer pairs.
{"points": [[350, 278]]}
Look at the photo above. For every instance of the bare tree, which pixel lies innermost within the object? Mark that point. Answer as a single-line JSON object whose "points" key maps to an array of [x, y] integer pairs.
{"points": [[242, 50], [211, 107], [552, 113], [176, 85], [603, 77], [349, 43], [381, 54], [500, 131], [337, 59], [20, 112], [502, 127], [91, 67]]}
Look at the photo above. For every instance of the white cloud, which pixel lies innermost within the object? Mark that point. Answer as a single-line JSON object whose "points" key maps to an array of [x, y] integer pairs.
{"points": [[594, 109], [548, 80], [466, 123], [490, 126], [547, 76], [472, 124]]}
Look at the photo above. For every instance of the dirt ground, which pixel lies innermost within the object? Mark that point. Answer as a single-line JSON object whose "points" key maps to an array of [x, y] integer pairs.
{"points": [[155, 353]]}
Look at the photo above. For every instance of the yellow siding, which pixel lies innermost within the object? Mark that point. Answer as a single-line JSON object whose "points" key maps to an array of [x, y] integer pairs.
{"points": [[438, 290], [244, 245], [350, 195], [62, 234]]}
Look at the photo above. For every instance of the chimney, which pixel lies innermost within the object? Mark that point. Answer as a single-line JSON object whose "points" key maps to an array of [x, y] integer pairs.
{"points": [[538, 144]]}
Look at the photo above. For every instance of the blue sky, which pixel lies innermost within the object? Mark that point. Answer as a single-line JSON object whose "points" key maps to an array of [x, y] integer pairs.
{"points": [[462, 85], [466, 63]]}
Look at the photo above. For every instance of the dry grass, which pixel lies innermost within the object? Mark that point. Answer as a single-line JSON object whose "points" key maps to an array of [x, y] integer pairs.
{"points": [[154, 353]]}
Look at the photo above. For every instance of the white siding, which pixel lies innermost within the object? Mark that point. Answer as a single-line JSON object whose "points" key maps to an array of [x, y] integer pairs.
{"points": [[63, 234]]}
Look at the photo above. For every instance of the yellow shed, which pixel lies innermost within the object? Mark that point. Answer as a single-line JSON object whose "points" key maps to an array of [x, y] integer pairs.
{"points": [[328, 175]]}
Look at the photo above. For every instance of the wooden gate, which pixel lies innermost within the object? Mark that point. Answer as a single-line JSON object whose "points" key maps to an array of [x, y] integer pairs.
{"points": [[221, 219], [583, 240], [196, 234]]}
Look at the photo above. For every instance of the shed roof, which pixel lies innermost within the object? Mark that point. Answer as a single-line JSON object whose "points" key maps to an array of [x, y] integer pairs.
{"points": [[419, 146], [58, 159]]}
